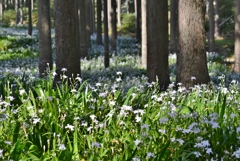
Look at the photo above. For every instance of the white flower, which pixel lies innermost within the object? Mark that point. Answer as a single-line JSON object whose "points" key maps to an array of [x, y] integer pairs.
{"points": [[236, 153], [22, 91], [8, 142], [181, 141], [209, 150], [36, 120], [1, 153], [93, 117], [145, 126], [197, 154], [238, 129], [64, 69], [70, 127], [119, 73], [137, 142], [193, 78], [61, 147], [136, 159], [214, 125], [98, 84], [162, 131], [163, 120], [96, 144], [138, 118], [150, 155]]}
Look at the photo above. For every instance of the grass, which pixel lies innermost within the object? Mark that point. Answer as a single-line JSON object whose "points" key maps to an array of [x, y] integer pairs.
{"points": [[115, 114]]}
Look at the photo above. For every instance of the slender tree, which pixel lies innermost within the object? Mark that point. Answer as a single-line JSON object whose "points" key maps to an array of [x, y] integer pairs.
{"points": [[29, 17], [237, 37], [144, 34], [157, 42], [1, 10], [17, 12], [44, 36], [119, 2], [88, 21], [21, 11], [65, 39], [216, 19], [84, 33], [174, 34], [106, 39], [211, 27], [99, 22], [137, 5], [191, 60], [113, 25]]}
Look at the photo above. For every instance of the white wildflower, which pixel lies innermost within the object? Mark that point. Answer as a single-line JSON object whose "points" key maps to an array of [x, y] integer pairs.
{"points": [[61, 147], [70, 127], [96, 144]]}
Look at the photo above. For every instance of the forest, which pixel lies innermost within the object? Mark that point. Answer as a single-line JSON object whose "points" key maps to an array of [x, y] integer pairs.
{"points": [[90, 80]]}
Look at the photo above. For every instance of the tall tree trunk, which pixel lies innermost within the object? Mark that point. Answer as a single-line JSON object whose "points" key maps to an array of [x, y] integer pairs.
{"points": [[65, 38], [29, 17], [84, 33], [93, 16], [127, 6], [137, 5], [106, 39], [21, 11], [192, 62], [16, 11], [119, 12], [216, 19], [237, 37], [211, 27], [144, 34], [174, 34], [77, 12], [44, 36], [157, 42], [113, 25], [1, 10], [88, 21], [99, 22]]}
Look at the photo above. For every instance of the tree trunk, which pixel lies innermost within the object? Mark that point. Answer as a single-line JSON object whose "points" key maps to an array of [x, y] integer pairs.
{"points": [[113, 25], [127, 6], [191, 60], [216, 19], [211, 27], [44, 36], [157, 42], [1, 10], [144, 34], [106, 39], [21, 11], [29, 17], [137, 5], [99, 22], [17, 13], [174, 34], [84, 35], [237, 37], [88, 21], [65, 39], [119, 12]]}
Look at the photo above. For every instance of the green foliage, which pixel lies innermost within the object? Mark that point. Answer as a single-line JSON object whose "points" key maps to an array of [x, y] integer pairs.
{"points": [[128, 24]]}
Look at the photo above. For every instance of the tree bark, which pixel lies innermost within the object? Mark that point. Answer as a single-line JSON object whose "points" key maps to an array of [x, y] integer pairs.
{"points": [[21, 11], [88, 21], [44, 36], [1, 10], [99, 22], [191, 60], [29, 17], [137, 5], [119, 12], [157, 42], [237, 37], [144, 34], [84, 35], [174, 33], [106, 39], [65, 39], [216, 19], [17, 13], [211, 39], [113, 25]]}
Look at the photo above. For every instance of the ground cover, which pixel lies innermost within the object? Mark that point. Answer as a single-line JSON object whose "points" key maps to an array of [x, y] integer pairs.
{"points": [[115, 114]]}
